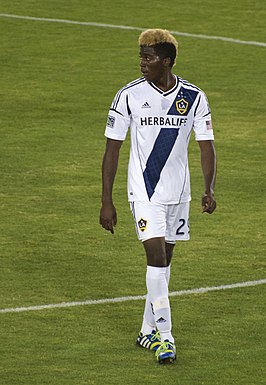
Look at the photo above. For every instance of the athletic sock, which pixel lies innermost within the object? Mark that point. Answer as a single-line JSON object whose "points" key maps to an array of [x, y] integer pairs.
{"points": [[157, 286], [168, 273], [148, 324]]}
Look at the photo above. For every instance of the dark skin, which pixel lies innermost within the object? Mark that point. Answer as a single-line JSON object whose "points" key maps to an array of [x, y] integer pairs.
{"points": [[155, 69], [159, 253]]}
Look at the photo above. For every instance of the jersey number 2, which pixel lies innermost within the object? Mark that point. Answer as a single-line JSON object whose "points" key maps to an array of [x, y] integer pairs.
{"points": [[178, 231]]}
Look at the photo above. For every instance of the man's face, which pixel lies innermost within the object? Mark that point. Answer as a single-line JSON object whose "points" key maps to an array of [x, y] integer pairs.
{"points": [[151, 66]]}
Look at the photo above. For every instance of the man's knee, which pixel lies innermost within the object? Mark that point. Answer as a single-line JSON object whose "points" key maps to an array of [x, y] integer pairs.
{"points": [[156, 252]]}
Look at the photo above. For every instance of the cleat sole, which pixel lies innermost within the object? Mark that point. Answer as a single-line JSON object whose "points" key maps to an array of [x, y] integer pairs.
{"points": [[167, 361]]}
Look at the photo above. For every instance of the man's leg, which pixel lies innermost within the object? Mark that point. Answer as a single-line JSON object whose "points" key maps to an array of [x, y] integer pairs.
{"points": [[150, 220], [149, 324], [157, 285], [169, 248]]}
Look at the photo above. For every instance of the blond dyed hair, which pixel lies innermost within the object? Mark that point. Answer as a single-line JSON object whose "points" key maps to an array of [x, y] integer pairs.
{"points": [[157, 36]]}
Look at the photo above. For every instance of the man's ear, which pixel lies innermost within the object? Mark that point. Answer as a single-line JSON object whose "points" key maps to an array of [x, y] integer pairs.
{"points": [[167, 61]]}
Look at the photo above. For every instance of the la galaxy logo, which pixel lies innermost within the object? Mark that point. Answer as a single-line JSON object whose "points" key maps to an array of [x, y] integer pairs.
{"points": [[142, 224], [181, 106], [183, 102]]}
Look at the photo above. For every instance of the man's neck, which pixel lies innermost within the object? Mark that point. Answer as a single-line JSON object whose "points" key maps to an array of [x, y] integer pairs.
{"points": [[166, 82]]}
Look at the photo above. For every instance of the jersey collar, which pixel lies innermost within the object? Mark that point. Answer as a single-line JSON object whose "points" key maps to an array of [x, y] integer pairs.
{"points": [[167, 92]]}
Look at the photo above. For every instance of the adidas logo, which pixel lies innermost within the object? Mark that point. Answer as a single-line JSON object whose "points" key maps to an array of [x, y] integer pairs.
{"points": [[146, 105], [160, 320]]}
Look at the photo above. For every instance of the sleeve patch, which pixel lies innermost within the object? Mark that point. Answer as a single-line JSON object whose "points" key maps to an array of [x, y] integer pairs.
{"points": [[110, 121]]}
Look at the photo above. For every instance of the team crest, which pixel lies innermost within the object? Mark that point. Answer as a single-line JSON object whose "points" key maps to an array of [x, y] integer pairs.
{"points": [[181, 106], [142, 224]]}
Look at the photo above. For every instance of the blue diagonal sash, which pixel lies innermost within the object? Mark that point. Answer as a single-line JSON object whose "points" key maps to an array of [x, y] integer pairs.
{"points": [[161, 150]]}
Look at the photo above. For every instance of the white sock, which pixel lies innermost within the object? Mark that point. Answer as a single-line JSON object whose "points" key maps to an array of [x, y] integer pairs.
{"points": [[168, 273], [157, 286], [148, 324]]}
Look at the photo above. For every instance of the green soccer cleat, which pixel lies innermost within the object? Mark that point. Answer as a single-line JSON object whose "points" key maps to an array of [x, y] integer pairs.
{"points": [[166, 353], [149, 341]]}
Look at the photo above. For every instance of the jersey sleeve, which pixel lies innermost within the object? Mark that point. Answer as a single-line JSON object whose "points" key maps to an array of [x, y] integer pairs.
{"points": [[118, 120], [202, 121]]}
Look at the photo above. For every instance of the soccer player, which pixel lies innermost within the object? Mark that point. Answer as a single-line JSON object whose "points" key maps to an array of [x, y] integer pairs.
{"points": [[161, 110]]}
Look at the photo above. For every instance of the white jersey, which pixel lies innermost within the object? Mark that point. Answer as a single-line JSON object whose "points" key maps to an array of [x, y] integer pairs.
{"points": [[160, 127]]}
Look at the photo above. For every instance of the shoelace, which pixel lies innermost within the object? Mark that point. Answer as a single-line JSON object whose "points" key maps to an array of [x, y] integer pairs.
{"points": [[165, 345], [156, 336]]}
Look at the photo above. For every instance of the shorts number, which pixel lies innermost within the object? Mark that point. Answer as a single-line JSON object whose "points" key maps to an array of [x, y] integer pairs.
{"points": [[178, 231]]}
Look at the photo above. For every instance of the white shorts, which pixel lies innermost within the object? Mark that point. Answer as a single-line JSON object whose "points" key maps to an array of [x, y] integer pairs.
{"points": [[154, 220]]}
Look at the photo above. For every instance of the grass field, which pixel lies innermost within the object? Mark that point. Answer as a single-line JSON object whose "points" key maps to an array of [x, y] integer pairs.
{"points": [[57, 83]]}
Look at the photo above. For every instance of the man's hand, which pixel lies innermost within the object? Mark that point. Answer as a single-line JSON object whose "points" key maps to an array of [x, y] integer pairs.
{"points": [[108, 217], [208, 204]]}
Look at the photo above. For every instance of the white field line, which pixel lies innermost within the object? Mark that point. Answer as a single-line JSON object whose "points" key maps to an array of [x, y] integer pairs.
{"points": [[102, 25], [201, 290]]}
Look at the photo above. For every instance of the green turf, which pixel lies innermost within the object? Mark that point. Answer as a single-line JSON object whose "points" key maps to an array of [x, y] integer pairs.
{"points": [[57, 83]]}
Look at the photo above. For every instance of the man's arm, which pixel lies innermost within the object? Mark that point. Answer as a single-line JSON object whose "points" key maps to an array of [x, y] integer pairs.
{"points": [[208, 164], [108, 217]]}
